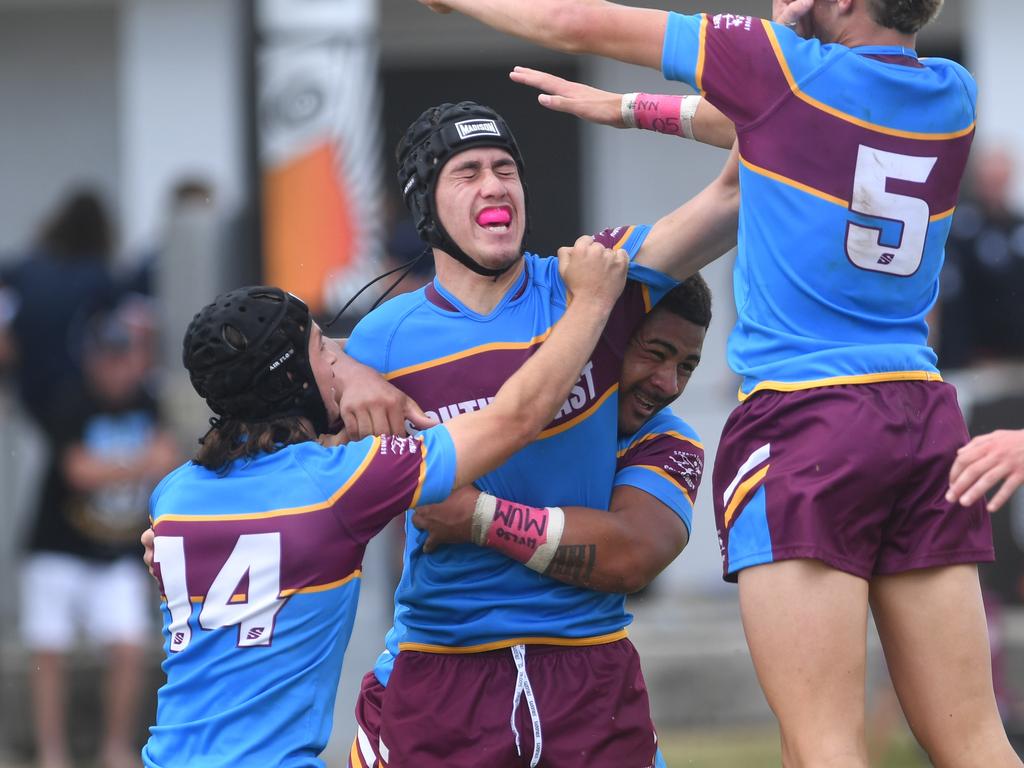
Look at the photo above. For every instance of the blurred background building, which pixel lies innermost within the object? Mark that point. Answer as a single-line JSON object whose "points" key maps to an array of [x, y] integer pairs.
{"points": [[234, 141]]}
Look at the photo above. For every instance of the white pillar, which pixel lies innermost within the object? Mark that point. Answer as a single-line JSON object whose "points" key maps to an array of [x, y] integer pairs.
{"points": [[182, 106]]}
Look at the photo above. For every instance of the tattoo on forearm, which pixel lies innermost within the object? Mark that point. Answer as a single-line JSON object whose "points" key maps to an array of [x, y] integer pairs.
{"points": [[573, 563]]}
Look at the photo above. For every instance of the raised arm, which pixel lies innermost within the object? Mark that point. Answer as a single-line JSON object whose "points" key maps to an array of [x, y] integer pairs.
{"points": [[633, 35], [526, 403], [689, 116], [618, 550]]}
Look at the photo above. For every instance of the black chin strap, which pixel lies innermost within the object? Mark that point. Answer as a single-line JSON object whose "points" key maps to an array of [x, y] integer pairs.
{"points": [[407, 267], [441, 239]]}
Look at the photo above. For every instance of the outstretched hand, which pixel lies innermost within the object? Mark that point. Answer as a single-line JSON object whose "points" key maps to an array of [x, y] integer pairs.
{"points": [[987, 460], [583, 101]]}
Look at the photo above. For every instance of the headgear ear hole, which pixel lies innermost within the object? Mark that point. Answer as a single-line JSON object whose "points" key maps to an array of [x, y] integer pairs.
{"points": [[233, 337]]}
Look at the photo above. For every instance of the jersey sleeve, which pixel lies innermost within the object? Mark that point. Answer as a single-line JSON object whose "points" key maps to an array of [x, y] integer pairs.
{"points": [[669, 465], [645, 287], [377, 478], [741, 64], [654, 284]]}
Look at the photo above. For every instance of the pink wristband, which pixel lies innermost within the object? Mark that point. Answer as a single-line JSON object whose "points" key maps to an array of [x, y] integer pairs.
{"points": [[518, 530], [527, 534], [656, 112]]}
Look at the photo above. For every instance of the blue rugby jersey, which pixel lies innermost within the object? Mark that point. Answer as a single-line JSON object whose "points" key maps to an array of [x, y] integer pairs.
{"points": [[260, 570], [851, 161], [450, 359], [665, 458]]}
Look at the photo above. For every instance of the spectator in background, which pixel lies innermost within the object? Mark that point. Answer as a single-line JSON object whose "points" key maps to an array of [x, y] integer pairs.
{"points": [[63, 278], [982, 297], [188, 193], [82, 567]]}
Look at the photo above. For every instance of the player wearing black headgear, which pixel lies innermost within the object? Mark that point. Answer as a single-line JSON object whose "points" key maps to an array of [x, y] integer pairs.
{"points": [[423, 155], [259, 561], [250, 354]]}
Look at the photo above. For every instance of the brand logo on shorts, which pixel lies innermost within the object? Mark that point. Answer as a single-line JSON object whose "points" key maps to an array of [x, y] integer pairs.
{"points": [[179, 638], [254, 634], [469, 128]]}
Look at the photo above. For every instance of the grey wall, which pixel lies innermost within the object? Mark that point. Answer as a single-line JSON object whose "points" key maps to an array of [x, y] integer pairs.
{"points": [[58, 109]]}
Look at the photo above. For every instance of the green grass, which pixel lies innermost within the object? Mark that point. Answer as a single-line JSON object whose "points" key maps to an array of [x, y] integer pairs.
{"points": [[756, 747]]}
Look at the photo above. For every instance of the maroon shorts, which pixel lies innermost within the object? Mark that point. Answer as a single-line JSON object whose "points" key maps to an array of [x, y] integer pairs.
{"points": [[365, 752], [854, 476], [456, 710]]}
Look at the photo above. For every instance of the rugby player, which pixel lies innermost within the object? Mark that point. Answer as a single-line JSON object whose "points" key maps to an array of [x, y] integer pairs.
{"points": [[830, 480], [659, 469], [259, 539], [468, 617]]}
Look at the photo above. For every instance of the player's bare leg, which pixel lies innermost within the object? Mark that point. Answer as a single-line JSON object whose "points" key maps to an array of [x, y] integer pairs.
{"points": [[932, 626], [123, 684], [49, 687], [806, 626]]}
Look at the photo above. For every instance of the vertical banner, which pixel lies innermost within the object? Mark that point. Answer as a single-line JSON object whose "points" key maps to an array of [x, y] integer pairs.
{"points": [[318, 111]]}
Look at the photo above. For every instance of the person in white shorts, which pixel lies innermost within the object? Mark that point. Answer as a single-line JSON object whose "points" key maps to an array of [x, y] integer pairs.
{"points": [[81, 582]]}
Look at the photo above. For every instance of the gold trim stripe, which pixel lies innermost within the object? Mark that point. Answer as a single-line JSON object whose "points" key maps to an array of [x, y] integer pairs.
{"points": [[837, 381], [552, 431], [495, 346], [241, 597], [579, 642], [702, 43], [654, 436], [374, 448], [742, 491], [783, 64], [667, 476]]}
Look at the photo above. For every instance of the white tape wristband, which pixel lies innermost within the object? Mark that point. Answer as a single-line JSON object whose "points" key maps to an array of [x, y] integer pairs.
{"points": [[687, 109], [545, 552], [483, 516], [627, 106]]}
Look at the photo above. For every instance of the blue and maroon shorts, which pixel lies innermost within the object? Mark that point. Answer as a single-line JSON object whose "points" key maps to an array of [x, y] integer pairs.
{"points": [[590, 707], [854, 476]]}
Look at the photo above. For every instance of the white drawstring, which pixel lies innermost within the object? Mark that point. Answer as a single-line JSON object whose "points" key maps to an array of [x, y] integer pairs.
{"points": [[523, 686]]}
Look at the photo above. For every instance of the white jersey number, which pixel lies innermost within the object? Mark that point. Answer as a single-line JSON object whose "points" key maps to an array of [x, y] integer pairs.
{"points": [[870, 198], [255, 554]]}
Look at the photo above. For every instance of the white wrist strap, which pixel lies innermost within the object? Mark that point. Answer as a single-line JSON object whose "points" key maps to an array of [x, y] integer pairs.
{"points": [[545, 552], [626, 107], [687, 109], [483, 516]]}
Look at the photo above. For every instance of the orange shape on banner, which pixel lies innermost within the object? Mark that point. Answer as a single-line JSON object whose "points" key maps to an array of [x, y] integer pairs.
{"points": [[309, 227]]}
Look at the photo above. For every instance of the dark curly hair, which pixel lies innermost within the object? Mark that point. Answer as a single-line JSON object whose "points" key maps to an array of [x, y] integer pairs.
{"points": [[906, 16], [690, 300]]}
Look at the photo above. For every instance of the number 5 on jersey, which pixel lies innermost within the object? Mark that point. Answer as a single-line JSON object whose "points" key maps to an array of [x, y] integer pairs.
{"points": [[259, 556], [871, 200]]}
